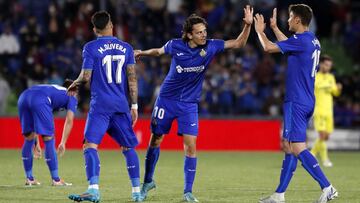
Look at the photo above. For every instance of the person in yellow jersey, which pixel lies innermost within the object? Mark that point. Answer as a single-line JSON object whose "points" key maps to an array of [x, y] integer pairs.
{"points": [[325, 89]]}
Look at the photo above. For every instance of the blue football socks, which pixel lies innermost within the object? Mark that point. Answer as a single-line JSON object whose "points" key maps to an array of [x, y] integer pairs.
{"points": [[51, 159], [92, 165], [189, 173], [151, 159], [312, 166], [132, 163], [27, 157], [287, 171]]}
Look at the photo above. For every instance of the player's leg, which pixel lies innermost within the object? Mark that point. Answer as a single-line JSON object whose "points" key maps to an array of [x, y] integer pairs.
{"points": [[319, 125], [302, 115], [27, 157], [290, 161], [190, 162], [27, 128], [52, 161], [311, 165], [325, 137], [44, 125], [121, 131], [96, 126], [188, 127], [161, 119], [51, 157], [152, 156]]}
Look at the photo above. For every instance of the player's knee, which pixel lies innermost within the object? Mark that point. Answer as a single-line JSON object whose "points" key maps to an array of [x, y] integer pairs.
{"points": [[156, 140], [29, 136], [286, 147], [190, 149], [47, 138], [87, 145]]}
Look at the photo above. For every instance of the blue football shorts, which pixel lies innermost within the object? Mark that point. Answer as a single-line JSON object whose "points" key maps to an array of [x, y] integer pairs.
{"points": [[296, 119], [35, 113], [117, 125], [166, 110]]}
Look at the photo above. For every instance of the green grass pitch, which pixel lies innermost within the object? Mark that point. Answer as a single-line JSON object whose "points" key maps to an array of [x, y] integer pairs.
{"points": [[221, 177]]}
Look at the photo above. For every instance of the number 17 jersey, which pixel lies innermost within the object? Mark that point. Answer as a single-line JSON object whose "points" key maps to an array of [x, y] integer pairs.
{"points": [[108, 58]]}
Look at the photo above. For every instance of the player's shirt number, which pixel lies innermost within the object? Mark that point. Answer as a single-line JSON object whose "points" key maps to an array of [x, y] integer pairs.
{"points": [[316, 57], [107, 61], [159, 112]]}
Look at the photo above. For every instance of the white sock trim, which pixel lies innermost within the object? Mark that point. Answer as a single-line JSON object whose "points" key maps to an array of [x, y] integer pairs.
{"points": [[95, 186], [279, 196], [135, 189]]}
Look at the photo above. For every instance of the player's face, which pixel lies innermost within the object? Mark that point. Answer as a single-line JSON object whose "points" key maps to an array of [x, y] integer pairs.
{"points": [[198, 34], [293, 21], [326, 65]]}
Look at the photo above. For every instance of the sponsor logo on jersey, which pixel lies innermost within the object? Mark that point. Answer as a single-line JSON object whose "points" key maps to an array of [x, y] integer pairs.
{"points": [[196, 69]]}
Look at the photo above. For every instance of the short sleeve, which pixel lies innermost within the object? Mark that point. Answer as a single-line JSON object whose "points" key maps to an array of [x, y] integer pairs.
{"points": [[72, 104], [216, 45], [292, 44], [130, 57], [168, 47], [88, 59]]}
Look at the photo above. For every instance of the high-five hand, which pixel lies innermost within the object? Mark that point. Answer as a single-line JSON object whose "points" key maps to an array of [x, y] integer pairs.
{"points": [[259, 23], [273, 22], [248, 14]]}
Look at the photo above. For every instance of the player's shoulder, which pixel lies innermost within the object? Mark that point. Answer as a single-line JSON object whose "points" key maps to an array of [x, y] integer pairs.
{"points": [[89, 45], [176, 42]]}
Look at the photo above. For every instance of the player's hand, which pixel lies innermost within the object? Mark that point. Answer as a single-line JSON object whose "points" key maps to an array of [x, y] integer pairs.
{"points": [[273, 21], [134, 116], [72, 89], [248, 15], [137, 54], [37, 151], [61, 149], [259, 23], [339, 86]]}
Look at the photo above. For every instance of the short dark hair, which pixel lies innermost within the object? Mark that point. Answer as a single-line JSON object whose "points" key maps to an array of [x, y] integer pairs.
{"points": [[188, 25], [67, 83], [100, 19], [303, 11], [325, 57]]}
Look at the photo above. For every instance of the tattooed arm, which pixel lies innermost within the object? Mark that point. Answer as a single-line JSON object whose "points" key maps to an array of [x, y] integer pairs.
{"points": [[83, 78], [133, 91]]}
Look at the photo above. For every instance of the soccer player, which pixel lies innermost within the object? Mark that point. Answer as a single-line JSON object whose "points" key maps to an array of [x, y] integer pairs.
{"points": [[110, 64], [303, 51], [180, 92], [36, 106], [325, 88]]}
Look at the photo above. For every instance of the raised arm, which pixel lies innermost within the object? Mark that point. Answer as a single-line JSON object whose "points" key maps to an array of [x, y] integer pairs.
{"points": [[273, 24], [149, 52], [265, 42], [66, 132], [83, 78], [241, 40], [133, 92]]}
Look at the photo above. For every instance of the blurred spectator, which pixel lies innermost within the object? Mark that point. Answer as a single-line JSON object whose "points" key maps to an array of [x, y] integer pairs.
{"points": [[4, 93]]}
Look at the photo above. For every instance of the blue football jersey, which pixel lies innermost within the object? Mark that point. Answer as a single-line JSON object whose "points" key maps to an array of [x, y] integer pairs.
{"points": [[56, 95], [187, 70], [303, 59], [108, 58]]}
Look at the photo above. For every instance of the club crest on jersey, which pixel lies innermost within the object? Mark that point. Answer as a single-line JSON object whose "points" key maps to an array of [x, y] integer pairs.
{"points": [[202, 53]]}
